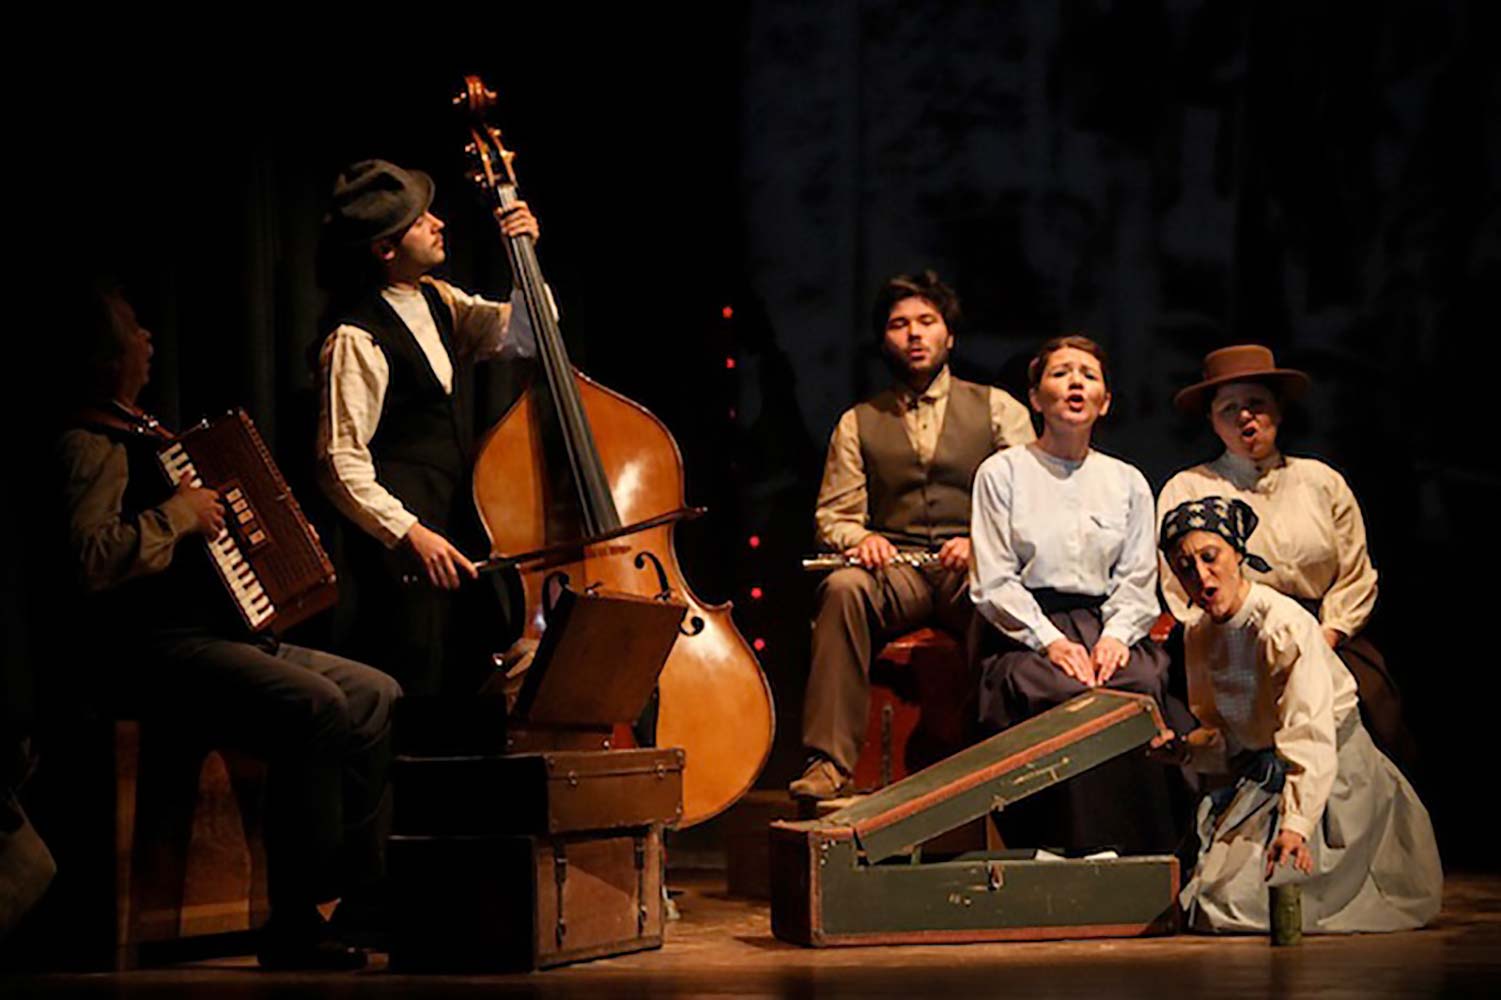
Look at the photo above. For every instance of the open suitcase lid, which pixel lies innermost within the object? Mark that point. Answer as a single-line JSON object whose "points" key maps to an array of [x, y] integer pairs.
{"points": [[1046, 749]]}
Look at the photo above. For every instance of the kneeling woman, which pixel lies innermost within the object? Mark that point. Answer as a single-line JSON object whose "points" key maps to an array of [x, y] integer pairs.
{"points": [[1315, 801], [1064, 567]]}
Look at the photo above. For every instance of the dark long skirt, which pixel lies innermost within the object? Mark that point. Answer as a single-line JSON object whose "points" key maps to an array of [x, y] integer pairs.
{"points": [[1131, 804], [1380, 700]]}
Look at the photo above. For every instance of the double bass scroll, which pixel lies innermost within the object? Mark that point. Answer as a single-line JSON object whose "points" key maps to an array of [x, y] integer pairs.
{"points": [[570, 469]]}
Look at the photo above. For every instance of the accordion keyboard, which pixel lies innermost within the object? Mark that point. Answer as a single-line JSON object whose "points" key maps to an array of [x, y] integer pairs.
{"points": [[239, 575]]}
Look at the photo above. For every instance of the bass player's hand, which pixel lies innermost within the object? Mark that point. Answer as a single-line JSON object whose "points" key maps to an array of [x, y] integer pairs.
{"points": [[442, 563], [518, 220]]}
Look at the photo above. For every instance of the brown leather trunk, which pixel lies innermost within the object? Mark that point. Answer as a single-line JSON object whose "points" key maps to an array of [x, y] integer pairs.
{"points": [[538, 793], [523, 839], [499, 903]]}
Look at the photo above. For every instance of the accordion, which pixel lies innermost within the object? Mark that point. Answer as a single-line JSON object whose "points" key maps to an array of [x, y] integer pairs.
{"points": [[268, 556]]}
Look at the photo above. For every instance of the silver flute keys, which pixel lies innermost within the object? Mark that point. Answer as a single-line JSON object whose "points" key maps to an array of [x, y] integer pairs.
{"points": [[834, 560]]}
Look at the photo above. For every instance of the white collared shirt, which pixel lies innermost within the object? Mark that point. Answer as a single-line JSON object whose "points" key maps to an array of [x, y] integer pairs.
{"points": [[1266, 678], [354, 376], [1087, 528]]}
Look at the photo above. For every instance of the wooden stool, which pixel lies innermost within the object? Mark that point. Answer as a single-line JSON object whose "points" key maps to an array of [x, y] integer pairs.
{"points": [[919, 689], [190, 860], [158, 845]]}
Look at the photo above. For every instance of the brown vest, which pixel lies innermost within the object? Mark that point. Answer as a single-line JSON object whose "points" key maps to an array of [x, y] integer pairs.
{"points": [[913, 506]]}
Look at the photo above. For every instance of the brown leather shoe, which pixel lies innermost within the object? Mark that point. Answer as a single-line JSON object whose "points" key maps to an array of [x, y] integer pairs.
{"points": [[822, 780]]}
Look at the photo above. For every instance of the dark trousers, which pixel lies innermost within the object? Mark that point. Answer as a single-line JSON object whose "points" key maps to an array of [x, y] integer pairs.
{"points": [[1131, 803], [322, 725], [855, 609]]}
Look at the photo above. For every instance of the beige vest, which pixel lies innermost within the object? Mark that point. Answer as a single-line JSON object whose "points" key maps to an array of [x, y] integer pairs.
{"points": [[915, 506]]}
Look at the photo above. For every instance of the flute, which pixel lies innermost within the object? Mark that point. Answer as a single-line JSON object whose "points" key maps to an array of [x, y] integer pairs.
{"points": [[833, 560]]}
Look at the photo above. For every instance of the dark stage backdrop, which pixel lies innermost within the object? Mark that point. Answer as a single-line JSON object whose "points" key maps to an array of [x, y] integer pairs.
{"points": [[1167, 177]]}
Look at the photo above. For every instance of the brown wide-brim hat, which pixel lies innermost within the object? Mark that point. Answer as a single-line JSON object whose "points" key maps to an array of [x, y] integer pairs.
{"points": [[1241, 363], [374, 199]]}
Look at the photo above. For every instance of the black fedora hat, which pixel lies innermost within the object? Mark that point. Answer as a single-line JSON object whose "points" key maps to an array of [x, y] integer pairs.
{"points": [[374, 199]]}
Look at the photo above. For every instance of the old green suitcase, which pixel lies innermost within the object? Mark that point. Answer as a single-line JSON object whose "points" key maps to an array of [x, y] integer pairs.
{"points": [[859, 875]]}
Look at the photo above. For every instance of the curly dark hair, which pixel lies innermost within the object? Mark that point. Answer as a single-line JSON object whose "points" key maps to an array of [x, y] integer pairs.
{"points": [[923, 286]]}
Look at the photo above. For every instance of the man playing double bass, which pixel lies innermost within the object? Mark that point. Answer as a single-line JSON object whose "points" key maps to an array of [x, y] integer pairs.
{"points": [[395, 430], [897, 477]]}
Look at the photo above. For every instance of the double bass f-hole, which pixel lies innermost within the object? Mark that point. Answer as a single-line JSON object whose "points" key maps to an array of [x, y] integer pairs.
{"points": [[664, 593], [664, 590]]}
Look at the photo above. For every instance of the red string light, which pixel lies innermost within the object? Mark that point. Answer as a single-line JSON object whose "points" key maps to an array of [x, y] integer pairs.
{"points": [[727, 312], [760, 645], [756, 593], [729, 363], [754, 541]]}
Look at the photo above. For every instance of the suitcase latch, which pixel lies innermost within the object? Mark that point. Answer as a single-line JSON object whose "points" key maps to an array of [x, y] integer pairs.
{"points": [[995, 876], [640, 845], [560, 876]]}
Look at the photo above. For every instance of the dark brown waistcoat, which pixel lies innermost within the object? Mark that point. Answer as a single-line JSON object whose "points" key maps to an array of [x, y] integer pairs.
{"points": [[916, 506]]}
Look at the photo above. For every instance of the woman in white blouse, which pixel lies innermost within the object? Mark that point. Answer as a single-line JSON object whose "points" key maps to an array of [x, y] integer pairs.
{"points": [[1314, 801], [1312, 533], [1064, 567]]}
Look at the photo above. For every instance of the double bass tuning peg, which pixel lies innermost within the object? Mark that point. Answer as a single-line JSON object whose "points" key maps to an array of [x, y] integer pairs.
{"points": [[476, 95]]}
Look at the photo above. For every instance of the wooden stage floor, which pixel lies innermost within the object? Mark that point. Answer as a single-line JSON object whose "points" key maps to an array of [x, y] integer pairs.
{"points": [[723, 947]]}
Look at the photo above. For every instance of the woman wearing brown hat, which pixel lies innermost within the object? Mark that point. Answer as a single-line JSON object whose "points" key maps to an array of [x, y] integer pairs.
{"points": [[1312, 533]]}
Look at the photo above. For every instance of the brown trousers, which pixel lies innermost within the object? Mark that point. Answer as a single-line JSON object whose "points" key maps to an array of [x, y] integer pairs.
{"points": [[856, 612]]}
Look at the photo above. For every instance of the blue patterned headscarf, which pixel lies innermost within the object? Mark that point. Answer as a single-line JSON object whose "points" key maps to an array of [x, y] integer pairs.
{"points": [[1232, 520]]}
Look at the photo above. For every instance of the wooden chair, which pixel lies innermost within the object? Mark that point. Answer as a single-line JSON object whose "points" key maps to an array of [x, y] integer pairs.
{"points": [[920, 692], [1162, 628]]}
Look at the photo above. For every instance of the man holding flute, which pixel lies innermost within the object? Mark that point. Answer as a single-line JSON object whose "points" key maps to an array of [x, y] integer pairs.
{"points": [[896, 483]]}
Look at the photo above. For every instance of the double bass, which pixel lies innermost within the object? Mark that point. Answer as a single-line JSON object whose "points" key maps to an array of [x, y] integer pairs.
{"points": [[579, 480]]}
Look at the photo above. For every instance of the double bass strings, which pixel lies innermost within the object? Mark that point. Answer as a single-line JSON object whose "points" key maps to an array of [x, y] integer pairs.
{"points": [[596, 504]]}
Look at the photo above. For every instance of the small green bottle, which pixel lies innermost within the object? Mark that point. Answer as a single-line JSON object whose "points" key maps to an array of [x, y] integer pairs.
{"points": [[1285, 902]]}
